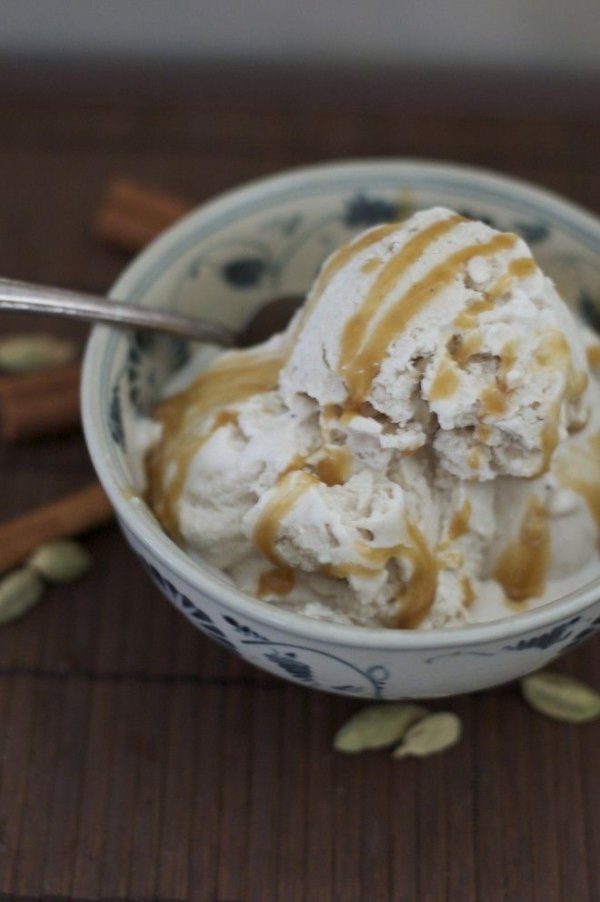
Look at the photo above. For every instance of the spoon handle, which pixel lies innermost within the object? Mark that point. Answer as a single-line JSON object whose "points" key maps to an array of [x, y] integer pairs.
{"points": [[25, 297]]}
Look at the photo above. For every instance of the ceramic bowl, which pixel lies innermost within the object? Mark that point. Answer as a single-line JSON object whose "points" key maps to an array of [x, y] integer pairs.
{"points": [[224, 260]]}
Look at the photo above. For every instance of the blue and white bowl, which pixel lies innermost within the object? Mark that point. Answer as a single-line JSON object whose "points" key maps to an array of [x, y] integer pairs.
{"points": [[224, 261]]}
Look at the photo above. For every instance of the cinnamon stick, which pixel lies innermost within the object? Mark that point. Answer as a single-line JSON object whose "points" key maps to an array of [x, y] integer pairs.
{"points": [[69, 516], [47, 403], [131, 214], [41, 403]]}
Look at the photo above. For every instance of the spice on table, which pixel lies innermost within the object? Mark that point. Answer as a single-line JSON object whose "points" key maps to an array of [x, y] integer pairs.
{"points": [[31, 352], [561, 697], [377, 726], [433, 734], [41, 403], [132, 214], [19, 591], [68, 516], [60, 561]]}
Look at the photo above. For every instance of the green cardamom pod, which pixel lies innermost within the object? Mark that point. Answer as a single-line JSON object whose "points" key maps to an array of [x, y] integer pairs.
{"points": [[561, 697], [433, 734], [26, 353], [19, 591], [377, 726], [61, 561]]}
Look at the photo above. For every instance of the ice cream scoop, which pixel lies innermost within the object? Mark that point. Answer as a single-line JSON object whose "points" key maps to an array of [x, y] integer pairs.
{"points": [[402, 454], [444, 326]]}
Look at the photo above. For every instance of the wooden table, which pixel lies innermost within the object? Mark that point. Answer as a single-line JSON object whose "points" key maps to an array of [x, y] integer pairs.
{"points": [[140, 761]]}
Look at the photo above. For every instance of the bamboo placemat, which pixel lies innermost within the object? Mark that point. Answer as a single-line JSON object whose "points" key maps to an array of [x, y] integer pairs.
{"points": [[138, 760]]}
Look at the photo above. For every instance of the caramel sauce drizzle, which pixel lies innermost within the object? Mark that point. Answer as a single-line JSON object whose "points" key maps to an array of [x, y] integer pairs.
{"points": [[235, 378], [357, 325], [580, 472], [334, 467], [449, 557], [519, 268], [522, 566], [470, 346], [549, 439], [468, 591], [467, 318], [287, 491], [494, 400], [460, 521], [474, 458], [445, 382], [381, 556], [523, 267], [360, 366], [576, 384], [418, 595], [224, 418], [553, 351], [508, 356], [371, 264], [332, 411], [376, 556], [334, 264], [296, 463], [495, 396], [279, 581], [593, 355]]}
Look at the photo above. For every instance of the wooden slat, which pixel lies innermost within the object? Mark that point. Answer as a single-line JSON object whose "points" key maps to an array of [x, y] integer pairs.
{"points": [[140, 761]]}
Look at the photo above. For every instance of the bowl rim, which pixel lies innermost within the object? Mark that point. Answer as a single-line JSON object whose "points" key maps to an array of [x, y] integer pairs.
{"points": [[190, 571]]}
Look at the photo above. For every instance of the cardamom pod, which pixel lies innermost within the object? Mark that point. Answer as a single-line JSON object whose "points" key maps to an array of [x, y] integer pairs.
{"points": [[61, 561], [433, 734], [561, 697], [19, 591], [377, 726], [26, 353]]}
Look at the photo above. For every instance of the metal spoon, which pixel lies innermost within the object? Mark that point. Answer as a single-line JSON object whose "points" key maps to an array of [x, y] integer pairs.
{"points": [[25, 297]]}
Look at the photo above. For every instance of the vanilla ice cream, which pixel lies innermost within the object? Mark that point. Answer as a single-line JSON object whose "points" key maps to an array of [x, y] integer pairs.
{"points": [[420, 448]]}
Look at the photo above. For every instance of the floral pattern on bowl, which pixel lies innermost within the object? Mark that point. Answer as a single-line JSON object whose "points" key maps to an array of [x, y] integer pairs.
{"points": [[226, 260], [383, 675]]}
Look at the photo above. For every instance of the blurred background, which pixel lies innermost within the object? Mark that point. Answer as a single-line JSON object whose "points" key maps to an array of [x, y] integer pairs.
{"points": [[191, 98], [501, 34]]}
